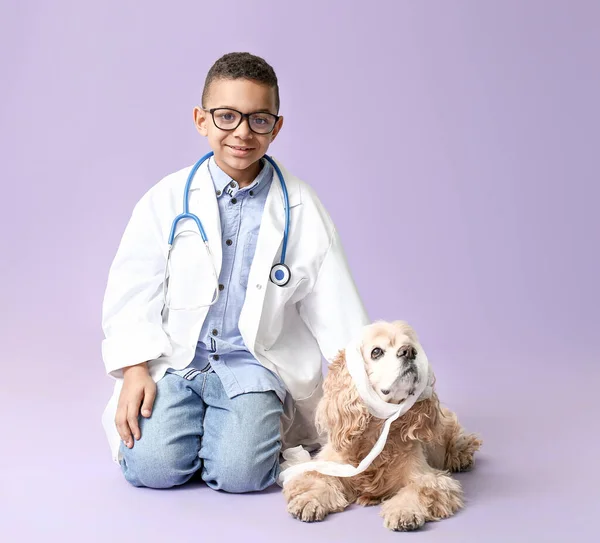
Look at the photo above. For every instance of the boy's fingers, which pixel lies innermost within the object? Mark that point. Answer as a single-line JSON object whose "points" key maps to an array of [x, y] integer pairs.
{"points": [[132, 419], [123, 427], [149, 396]]}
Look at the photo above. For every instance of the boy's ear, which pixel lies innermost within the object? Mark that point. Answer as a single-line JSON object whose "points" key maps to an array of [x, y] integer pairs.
{"points": [[201, 119], [277, 128]]}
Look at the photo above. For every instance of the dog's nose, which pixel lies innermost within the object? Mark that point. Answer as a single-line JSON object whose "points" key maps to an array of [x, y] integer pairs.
{"points": [[385, 391], [408, 352]]}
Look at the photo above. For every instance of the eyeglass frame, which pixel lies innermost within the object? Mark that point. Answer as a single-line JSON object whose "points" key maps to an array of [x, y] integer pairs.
{"points": [[243, 116]]}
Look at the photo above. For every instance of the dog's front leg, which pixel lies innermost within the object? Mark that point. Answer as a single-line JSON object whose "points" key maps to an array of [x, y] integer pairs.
{"points": [[312, 496], [454, 450], [432, 495], [460, 451]]}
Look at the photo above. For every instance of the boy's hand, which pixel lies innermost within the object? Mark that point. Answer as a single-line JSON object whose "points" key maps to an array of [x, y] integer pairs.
{"points": [[138, 389]]}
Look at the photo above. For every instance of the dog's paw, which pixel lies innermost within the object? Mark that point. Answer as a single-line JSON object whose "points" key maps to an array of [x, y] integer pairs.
{"points": [[402, 521], [444, 500], [367, 501], [307, 508], [460, 456]]}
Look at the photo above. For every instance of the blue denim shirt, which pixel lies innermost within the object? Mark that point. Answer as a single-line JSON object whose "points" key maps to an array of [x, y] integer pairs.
{"points": [[221, 346]]}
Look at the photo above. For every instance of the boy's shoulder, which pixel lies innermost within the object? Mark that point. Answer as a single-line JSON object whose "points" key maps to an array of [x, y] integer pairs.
{"points": [[168, 187], [313, 212], [172, 181], [303, 192]]}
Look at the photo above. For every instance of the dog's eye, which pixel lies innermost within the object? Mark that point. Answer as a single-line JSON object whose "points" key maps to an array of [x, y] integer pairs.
{"points": [[376, 353]]}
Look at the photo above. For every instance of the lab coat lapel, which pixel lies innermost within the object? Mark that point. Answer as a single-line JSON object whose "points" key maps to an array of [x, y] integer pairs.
{"points": [[203, 203], [195, 272], [193, 281], [268, 245]]}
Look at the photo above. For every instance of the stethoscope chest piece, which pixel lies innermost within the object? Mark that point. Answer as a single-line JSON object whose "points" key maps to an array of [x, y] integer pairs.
{"points": [[280, 275]]}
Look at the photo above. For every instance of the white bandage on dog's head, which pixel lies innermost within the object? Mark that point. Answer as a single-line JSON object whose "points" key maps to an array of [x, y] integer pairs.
{"points": [[376, 406]]}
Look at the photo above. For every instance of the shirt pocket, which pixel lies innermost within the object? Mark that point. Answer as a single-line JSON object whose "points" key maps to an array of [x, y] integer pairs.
{"points": [[248, 257]]}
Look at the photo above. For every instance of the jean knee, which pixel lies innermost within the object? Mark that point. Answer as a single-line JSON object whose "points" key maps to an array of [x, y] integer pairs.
{"points": [[241, 475], [243, 478], [156, 468], [241, 450]]}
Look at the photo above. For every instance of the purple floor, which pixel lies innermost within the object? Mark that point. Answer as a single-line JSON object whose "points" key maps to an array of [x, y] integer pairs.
{"points": [[536, 478]]}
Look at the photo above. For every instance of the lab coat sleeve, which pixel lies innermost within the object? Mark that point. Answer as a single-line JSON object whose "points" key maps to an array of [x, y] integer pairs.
{"points": [[133, 301], [333, 310]]}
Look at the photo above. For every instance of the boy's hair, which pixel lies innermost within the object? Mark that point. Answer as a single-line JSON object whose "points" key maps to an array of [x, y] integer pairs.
{"points": [[242, 66]]}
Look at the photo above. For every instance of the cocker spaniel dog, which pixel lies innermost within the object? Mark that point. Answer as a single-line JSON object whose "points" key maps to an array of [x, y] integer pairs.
{"points": [[411, 476]]}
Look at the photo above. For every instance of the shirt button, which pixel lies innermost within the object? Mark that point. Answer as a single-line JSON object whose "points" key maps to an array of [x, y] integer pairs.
{"points": [[215, 332], [232, 184], [229, 242], [215, 357], [221, 287], [251, 193], [234, 200], [218, 193]]}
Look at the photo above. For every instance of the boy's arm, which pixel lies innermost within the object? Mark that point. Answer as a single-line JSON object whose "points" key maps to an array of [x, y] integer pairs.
{"points": [[133, 301], [333, 310]]}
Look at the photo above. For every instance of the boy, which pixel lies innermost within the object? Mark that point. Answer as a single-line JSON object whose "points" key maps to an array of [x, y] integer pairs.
{"points": [[220, 388]]}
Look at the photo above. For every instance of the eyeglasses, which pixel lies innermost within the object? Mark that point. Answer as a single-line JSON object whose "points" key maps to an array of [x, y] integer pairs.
{"points": [[230, 119]]}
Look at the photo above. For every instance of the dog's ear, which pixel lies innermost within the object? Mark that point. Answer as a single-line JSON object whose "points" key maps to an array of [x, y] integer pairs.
{"points": [[341, 412], [420, 421]]}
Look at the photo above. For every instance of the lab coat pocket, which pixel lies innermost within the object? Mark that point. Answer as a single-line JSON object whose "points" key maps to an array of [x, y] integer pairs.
{"points": [[191, 281], [278, 300]]}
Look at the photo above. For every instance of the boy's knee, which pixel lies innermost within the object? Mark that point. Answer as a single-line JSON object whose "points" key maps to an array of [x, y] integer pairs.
{"points": [[158, 469], [241, 476], [156, 477]]}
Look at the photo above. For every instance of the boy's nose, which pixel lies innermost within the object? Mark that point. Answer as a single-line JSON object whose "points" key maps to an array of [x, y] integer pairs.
{"points": [[243, 129]]}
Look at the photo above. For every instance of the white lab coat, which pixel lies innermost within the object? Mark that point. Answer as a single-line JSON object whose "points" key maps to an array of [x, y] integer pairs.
{"points": [[286, 328]]}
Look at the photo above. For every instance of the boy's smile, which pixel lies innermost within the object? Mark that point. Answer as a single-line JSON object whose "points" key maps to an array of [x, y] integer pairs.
{"points": [[237, 152]]}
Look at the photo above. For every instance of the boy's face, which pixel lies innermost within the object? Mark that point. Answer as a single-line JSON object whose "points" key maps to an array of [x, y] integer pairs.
{"points": [[237, 151]]}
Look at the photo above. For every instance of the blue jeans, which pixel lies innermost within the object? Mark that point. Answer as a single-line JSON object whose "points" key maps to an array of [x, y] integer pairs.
{"points": [[195, 425]]}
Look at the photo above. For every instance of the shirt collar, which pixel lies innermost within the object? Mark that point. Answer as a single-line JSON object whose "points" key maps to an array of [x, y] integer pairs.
{"points": [[225, 185]]}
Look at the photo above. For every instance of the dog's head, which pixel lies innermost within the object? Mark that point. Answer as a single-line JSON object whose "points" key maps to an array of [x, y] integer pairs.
{"points": [[389, 351]]}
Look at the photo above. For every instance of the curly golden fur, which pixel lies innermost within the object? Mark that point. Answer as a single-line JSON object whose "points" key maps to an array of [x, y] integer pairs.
{"points": [[410, 476]]}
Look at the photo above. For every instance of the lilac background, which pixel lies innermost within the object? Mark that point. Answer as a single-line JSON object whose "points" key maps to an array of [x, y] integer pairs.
{"points": [[455, 145]]}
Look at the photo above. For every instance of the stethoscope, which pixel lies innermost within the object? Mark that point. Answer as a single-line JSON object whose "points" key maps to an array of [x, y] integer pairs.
{"points": [[280, 273]]}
